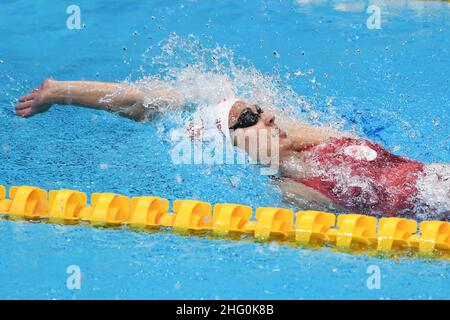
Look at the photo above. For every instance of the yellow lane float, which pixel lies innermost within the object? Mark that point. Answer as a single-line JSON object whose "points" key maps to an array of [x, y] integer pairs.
{"points": [[347, 232]]}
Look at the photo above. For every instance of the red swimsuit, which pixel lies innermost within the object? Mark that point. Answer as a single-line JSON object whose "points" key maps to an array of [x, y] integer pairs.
{"points": [[362, 176]]}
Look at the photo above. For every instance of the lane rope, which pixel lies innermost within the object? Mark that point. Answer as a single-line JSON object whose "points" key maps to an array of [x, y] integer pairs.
{"points": [[313, 229]]}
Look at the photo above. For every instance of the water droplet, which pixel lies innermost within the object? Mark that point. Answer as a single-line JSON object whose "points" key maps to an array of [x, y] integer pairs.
{"points": [[6, 148], [273, 246], [259, 250]]}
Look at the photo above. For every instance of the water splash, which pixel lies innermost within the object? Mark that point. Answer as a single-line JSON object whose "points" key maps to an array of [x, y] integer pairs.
{"points": [[204, 76], [434, 193]]}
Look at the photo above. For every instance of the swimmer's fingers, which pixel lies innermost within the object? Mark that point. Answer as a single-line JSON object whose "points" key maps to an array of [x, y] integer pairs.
{"points": [[24, 109], [24, 105], [29, 96]]}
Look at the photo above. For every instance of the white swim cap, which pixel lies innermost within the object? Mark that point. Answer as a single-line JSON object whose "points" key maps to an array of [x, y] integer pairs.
{"points": [[211, 121]]}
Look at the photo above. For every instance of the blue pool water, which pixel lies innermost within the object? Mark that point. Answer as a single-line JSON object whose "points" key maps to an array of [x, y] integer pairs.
{"points": [[389, 85]]}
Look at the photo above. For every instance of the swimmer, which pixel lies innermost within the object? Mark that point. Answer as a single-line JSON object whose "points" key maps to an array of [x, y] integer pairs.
{"points": [[320, 168]]}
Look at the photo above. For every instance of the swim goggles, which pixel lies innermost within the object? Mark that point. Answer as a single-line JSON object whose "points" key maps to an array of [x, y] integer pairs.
{"points": [[247, 118]]}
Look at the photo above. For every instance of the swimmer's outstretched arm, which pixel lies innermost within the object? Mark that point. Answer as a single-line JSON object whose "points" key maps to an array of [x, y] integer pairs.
{"points": [[124, 98]]}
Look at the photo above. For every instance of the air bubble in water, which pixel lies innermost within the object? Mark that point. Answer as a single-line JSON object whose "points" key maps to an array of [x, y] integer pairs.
{"points": [[6, 148]]}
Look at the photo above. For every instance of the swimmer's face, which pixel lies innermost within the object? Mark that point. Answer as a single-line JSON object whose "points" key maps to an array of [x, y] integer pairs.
{"points": [[255, 130]]}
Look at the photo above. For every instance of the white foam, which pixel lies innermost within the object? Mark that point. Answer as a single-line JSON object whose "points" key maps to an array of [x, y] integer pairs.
{"points": [[434, 192]]}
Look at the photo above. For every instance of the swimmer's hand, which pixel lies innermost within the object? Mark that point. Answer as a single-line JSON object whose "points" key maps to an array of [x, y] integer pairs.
{"points": [[38, 101]]}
